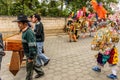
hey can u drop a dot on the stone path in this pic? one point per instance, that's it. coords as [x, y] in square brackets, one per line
[69, 61]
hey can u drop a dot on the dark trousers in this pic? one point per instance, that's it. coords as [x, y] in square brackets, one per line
[30, 67]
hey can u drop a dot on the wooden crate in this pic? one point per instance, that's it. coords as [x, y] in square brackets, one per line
[13, 43]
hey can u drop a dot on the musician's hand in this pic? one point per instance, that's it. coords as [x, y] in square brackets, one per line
[30, 60]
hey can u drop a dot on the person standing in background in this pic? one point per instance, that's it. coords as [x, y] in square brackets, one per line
[39, 33]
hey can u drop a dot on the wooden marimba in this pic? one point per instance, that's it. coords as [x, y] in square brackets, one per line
[14, 44]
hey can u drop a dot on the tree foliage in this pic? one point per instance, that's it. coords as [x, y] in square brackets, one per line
[47, 7]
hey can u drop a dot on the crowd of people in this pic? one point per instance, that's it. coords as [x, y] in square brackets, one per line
[104, 41]
[80, 26]
[86, 26]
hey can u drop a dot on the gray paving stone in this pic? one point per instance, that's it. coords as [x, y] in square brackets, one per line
[69, 61]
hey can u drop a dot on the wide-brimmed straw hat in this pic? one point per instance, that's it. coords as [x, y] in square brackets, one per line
[21, 18]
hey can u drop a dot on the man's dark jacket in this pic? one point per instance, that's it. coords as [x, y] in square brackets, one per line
[39, 32]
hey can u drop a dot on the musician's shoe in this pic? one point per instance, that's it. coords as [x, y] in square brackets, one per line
[46, 62]
[96, 68]
[112, 76]
[39, 75]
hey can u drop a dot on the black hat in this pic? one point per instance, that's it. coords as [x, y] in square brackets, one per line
[21, 18]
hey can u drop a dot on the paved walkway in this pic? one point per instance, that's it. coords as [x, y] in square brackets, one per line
[69, 61]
